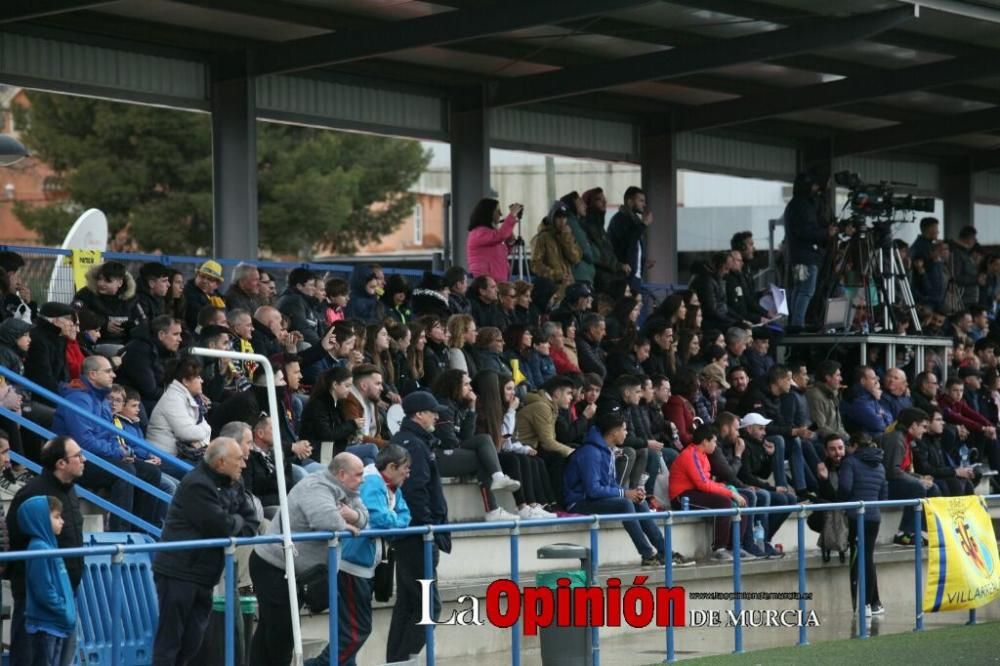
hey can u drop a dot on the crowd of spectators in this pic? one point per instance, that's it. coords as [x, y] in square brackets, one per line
[574, 392]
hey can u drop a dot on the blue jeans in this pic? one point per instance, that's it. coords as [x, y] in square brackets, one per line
[802, 293]
[653, 468]
[301, 469]
[790, 449]
[23, 644]
[644, 533]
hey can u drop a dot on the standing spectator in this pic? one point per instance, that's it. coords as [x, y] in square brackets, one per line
[689, 478]
[298, 303]
[204, 507]
[110, 292]
[964, 271]
[425, 498]
[484, 303]
[627, 233]
[606, 264]
[144, 359]
[90, 393]
[62, 462]
[554, 252]
[151, 292]
[807, 230]
[244, 288]
[488, 241]
[862, 478]
[904, 483]
[201, 291]
[591, 487]
[584, 270]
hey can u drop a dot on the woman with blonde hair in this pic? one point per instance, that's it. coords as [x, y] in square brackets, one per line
[461, 336]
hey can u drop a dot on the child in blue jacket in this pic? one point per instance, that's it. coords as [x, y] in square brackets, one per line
[50, 610]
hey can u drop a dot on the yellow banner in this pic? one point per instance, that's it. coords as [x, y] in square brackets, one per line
[963, 569]
[83, 261]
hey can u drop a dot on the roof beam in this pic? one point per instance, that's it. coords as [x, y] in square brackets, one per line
[836, 93]
[901, 136]
[986, 160]
[23, 10]
[433, 30]
[689, 60]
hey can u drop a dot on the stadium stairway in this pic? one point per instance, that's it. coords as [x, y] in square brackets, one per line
[479, 558]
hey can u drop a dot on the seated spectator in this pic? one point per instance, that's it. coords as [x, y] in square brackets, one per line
[377, 354]
[930, 459]
[756, 359]
[395, 300]
[823, 398]
[126, 407]
[407, 360]
[536, 426]
[144, 358]
[862, 478]
[462, 332]
[496, 406]
[663, 430]
[90, 393]
[925, 393]
[298, 303]
[540, 366]
[435, 350]
[45, 361]
[244, 288]
[177, 424]
[629, 360]
[573, 422]
[74, 355]
[689, 479]
[337, 297]
[431, 297]
[864, 412]
[741, 297]
[323, 418]
[662, 356]
[268, 333]
[795, 405]
[972, 426]
[361, 406]
[678, 409]
[260, 476]
[708, 283]
[488, 352]
[456, 283]
[895, 393]
[739, 382]
[241, 326]
[465, 452]
[591, 487]
[484, 303]
[578, 301]
[151, 292]
[210, 315]
[592, 356]
[904, 483]
[110, 292]
[524, 313]
[737, 340]
[562, 346]
[16, 300]
[201, 291]
[508, 304]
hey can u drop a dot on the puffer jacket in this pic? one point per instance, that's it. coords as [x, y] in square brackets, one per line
[536, 424]
[866, 414]
[554, 253]
[712, 296]
[301, 313]
[861, 478]
[177, 420]
[486, 250]
[117, 307]
[363, 306]
[584, 269]
[606, 264]
[929, 458]
[92, 438]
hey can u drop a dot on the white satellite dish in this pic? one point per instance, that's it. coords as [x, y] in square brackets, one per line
[89, 232]
[394, 418]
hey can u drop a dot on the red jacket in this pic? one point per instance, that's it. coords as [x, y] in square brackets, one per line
[961, 413]
[564, 366]
[691, 472]
[679, 411]
[486, 250]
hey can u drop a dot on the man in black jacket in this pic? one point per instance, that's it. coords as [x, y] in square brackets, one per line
[425, 498]
[152, 286]
[298, 303]
[806, 231]
[740, 293]
[588, 345]
[144, 359]
[62, 462]
[708, 284]
[45, 363]
[627, 233]
[204, 507]
[484, 303]
[201, 291]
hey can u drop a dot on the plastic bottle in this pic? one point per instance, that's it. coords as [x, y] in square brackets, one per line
[963, 452]
[758, 535]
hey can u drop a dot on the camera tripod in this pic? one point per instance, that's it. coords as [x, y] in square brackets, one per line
[519, 268]
[883, 279]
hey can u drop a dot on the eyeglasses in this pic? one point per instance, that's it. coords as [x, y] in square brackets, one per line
[78, 454]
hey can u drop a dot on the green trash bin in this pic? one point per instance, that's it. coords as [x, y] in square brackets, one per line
[213, 647]
[565, 646]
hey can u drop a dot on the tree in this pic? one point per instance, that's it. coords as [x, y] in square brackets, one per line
[150, 170]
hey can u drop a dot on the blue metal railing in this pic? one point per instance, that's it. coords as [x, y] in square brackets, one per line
[514, 527]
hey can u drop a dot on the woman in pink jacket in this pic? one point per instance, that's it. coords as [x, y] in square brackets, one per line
[487, 245]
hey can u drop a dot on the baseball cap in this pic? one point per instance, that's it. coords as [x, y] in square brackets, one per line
[752, 419]
[421, 401]
[212, 269]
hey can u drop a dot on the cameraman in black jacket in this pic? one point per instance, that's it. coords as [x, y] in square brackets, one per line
[806, 232]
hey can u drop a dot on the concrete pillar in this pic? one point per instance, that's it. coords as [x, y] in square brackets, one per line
[957, 181]
[234, 167]
[470, 174]
[659, 180]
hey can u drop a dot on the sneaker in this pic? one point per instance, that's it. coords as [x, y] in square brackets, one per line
[505, 483]
[806, 496]
[877, 609]
[722, 555]
[651, 560]
[746, 555]
[772, 552]
[681, 561]
[868, 610]
[526, 512]
[903, 539]
[756, 551]
[499, 514]
[542, 513]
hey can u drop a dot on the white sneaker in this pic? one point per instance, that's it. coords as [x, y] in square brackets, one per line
[868, 610]
[722, 555]
[526, 512]
[498, 514]
[505, 483]
[542, 513]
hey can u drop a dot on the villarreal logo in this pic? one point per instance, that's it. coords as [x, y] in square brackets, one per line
[973, 547]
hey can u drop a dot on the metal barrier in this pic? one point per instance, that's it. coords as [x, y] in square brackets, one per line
[427, 532]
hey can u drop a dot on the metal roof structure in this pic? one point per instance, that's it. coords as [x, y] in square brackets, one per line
[895, 89]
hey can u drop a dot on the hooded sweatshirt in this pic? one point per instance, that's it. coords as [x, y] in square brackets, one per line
[51, 606]
[11, 357]
[590, 472]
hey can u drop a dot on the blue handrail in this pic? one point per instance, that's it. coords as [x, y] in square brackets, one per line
[93, 459]
[514, 527]
[138, 442]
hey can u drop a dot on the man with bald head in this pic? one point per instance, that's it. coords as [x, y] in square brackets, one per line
[204, 507]
[325, 501]
[896, 394]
